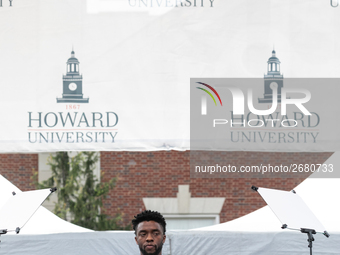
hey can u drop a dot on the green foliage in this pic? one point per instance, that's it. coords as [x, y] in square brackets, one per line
[80, 194]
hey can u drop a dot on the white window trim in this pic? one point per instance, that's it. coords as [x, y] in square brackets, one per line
[193, 216]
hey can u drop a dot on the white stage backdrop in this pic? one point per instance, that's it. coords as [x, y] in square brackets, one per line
[115, 74]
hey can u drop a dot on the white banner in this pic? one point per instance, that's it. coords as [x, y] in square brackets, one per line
[115, 74]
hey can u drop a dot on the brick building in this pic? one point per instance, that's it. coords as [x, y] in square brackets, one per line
[162, 180]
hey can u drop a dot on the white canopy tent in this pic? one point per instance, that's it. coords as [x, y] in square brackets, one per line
[178, 243]
[43, 221]
[260, 231]
[256, 233]
[320, 194]
[47, 232]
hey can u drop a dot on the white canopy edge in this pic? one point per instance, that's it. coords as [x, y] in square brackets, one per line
[43, 221]
[320, 194]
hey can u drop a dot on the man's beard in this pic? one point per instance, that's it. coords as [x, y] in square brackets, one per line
[157, 251]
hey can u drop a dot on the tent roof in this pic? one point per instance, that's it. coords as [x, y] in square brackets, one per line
[43, 221]
[320, 194]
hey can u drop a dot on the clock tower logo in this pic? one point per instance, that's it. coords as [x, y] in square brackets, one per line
[72, 83]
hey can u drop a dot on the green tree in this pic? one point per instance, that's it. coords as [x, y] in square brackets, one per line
[80, 194]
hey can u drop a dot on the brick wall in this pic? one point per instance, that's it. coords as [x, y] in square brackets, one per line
[18, 168]
[158, 174]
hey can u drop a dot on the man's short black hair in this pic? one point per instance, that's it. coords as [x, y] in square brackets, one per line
[148, 215]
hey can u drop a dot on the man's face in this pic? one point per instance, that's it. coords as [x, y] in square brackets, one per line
[150, 238]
